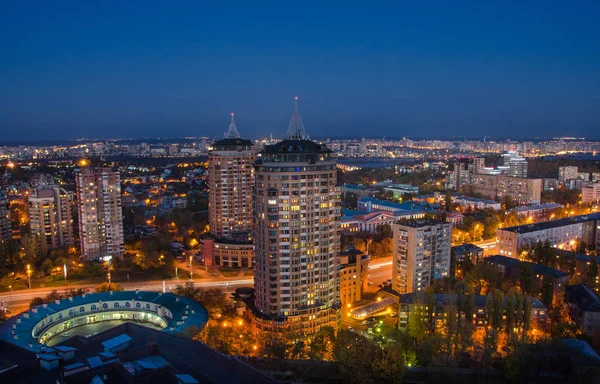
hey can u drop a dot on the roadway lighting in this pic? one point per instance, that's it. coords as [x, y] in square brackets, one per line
[29, 276]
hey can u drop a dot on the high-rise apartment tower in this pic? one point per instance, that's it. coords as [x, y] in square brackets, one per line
[50, 216]
[100, 213]
[296, 206]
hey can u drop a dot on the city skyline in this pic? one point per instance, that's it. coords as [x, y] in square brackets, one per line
[73, 70]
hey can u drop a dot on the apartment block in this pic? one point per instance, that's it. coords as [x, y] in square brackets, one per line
[5, 221]
[231, 177]
[520, 190]
[100, 213]
[421, 254]
[566, 173]
[50, 216]
[296, 208]
[561, 233]
[354, 275]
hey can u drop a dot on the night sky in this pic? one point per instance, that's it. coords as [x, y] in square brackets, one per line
[417, 69]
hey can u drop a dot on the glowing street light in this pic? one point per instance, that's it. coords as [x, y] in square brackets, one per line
[29, 276]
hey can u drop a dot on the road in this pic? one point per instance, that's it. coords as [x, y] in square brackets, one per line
[380, 270]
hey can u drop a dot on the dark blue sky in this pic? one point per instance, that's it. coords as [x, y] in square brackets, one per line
[419, 68]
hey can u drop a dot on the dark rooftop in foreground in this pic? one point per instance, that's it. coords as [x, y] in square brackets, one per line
[152, 356]
[583, 297]
[512, 263]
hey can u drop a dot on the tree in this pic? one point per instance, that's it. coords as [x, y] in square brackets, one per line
[388, 365]
[592, 273]
[448, 202]
[526, 277]
[350, 352]
[35, 302]
[547, 291]
[109, 287]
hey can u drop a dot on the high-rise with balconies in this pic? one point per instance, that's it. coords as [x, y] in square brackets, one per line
[231, 177]
[230, 182]
[100, 213]
[50, 216]
[421, 254]
[296, 208]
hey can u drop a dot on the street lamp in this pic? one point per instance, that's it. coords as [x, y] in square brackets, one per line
[11, 300]
[107, 259]
[191, 273]
[29, 276]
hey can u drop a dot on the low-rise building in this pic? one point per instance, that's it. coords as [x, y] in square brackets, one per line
[358, 191]
[537, 211]
[461, 252]
[583, 305]
[354, 271]
[510, 267]
[561, 233]
[227, 253]
[356, 221]
[474, 203]
[454, 218]
[398, 190]
[371, 204]
[417, 304]
[590, 194]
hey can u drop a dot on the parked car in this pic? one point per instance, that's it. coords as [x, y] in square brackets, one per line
[351, 329]
[370, 321]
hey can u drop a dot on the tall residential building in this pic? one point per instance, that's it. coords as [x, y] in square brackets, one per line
[100, 213]
[296, 208]
[5, 222]
[50, 216]
[231, 177]
[566, 173]
[421, 254]
[515, 165]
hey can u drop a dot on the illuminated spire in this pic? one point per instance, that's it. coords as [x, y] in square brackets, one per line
[232, 132]
[296, 130]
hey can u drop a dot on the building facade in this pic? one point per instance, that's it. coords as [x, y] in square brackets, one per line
[296, 209]
[566, 173]
[421, 254]
[5, 221]
[50, 216]
[583, 305]
[100, 213]
[354, 275]
[561, 233]
[416, 304]
[520, 190]
[230, 181]
[590, 194]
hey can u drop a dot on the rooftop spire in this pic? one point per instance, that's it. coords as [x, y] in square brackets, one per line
[296, 129]
[232, 132]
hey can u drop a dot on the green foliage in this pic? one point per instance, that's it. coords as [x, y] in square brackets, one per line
[35, 302]
[108, 287]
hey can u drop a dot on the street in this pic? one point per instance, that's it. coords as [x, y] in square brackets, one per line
[380, 270]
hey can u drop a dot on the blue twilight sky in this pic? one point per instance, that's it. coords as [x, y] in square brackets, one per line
[71, 69]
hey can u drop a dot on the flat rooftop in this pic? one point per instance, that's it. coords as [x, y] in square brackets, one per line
[526, 228]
